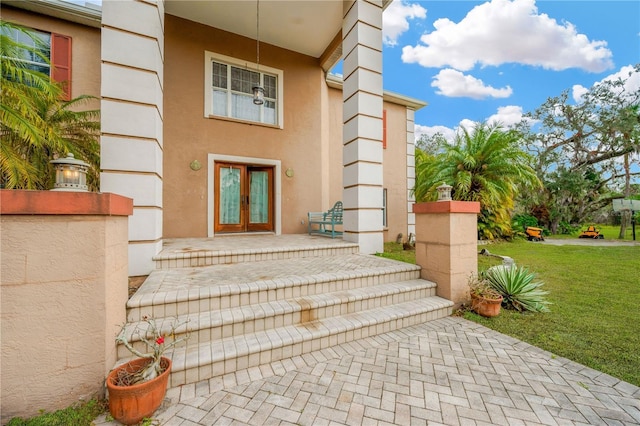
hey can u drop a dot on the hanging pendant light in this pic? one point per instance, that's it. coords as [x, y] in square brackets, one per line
[258, 91]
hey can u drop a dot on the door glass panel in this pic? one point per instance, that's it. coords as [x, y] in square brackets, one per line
[229, 195]
[259, 196]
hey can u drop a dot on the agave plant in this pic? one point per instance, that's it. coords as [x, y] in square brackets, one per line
[518, 288]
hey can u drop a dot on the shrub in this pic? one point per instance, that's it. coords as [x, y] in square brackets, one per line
[566, 228]
[520, 221]
[517, 286]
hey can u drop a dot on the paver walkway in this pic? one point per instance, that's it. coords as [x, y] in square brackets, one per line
[449, 371]
[589, 242]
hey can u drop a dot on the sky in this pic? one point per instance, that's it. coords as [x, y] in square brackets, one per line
[496, 60]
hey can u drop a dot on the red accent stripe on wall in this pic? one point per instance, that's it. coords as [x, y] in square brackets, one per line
[384, 129]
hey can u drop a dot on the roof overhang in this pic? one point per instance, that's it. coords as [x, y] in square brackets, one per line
[394, 98]
[309, 27]
[89, 14]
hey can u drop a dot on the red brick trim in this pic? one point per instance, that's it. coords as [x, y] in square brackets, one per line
[447, 207]
[15, 201]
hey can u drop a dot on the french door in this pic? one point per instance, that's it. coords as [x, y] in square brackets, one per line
[243, 198]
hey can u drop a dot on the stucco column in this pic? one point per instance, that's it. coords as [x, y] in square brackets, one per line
[362, 130]
[132, 119]
[446, 245]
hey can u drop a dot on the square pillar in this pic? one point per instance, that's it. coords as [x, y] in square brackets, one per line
[362, 129]
[447, 245]
[132, 90]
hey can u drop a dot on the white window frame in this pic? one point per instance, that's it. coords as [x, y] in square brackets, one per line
[209, 57]
[44, 36]
[385, 221]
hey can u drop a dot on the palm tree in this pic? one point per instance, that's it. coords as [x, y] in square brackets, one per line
[36, 126]
[484, 164]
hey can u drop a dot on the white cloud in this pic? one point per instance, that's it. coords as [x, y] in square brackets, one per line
[507, 116]
[578, 92]
[626, 73]
[454, 84]
[430, 131]
[395, 20]
[508, 31]
[467, 124]
[632, 83]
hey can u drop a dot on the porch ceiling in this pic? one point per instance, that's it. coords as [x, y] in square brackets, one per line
[303, 26]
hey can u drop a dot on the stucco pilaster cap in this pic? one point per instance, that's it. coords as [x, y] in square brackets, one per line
[17, 201]
[447, 207]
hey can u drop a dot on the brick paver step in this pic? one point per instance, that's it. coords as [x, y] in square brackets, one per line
[203, 361]
[205, 326]
[253, 300]
[167, 293]
[186, 253]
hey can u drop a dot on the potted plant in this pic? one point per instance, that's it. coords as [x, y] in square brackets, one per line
[485, 300]
[518, 287]
[137, 388]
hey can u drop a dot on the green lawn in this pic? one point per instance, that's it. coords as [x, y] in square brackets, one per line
[595, 291]
[80, 414]
[610, 232]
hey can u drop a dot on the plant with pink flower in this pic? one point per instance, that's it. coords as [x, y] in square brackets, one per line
[154, 338]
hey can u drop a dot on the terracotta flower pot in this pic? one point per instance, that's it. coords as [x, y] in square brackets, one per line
[487, 307]
[130, 404]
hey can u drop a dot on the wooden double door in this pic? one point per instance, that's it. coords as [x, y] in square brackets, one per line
[244, 198]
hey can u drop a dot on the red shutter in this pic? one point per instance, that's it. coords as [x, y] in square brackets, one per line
[384, 129]
[61, 62]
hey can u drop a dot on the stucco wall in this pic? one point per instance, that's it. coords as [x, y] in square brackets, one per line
[189, 136]
[310, 142]
[63, 294]
[394, 162]
[85, 45]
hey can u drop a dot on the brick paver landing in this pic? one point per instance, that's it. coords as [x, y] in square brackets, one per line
[449, 371]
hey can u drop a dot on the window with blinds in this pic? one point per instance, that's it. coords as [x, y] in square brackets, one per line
[230, 91]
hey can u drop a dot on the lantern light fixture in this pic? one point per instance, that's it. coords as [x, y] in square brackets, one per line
[444, 192]
[258, 95]
[71, 174]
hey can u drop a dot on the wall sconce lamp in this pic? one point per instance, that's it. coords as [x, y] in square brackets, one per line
[71, 174]
[444, 192]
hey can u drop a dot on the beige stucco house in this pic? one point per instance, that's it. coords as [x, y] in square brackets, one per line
[187, 153]
[182, 137]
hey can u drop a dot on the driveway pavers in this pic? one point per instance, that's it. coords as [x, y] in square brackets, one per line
[449, 371]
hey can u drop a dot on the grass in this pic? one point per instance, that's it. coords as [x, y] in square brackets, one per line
[610, 232]
[82, 414]
[396, 252]
[595, 293]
